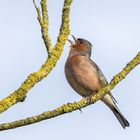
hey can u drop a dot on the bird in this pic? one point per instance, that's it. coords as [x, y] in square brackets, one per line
[86, 78]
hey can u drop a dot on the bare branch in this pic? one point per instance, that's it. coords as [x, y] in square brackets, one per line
[38, 13]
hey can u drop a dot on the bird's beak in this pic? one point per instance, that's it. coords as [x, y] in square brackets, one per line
[72, 42]
[75, 39]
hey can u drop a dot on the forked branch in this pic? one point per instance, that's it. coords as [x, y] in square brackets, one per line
[53, 55]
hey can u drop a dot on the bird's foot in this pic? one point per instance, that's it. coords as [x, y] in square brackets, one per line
[79, 109]
[89, 99]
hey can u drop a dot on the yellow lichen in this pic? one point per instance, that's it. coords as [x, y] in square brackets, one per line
[54, 54]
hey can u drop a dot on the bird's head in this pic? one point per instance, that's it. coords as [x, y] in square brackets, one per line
[80, 47]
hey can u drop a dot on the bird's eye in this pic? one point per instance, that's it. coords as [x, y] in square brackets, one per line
[80, 41]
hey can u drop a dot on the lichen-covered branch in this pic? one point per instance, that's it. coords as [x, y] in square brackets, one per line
[44, 23]
[67, 108]
[20, 94]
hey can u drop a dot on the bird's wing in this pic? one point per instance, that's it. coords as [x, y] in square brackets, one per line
[101, 75]
[102, 78]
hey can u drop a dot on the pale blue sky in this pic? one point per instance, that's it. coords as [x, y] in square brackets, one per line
[113, 27]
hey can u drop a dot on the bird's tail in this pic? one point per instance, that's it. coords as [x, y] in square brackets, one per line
[124, 123]
[109, 100]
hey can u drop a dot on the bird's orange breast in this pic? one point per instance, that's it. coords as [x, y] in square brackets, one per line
[81, 75]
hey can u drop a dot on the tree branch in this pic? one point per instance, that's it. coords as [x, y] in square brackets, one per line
[54, 55]
[44, 23]
[67, 108]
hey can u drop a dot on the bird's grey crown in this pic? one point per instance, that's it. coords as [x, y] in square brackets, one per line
[87, 44]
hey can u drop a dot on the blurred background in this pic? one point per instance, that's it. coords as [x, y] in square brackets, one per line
[113, 27]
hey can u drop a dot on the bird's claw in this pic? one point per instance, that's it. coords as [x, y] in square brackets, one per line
[89, 99]
[79, 109]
